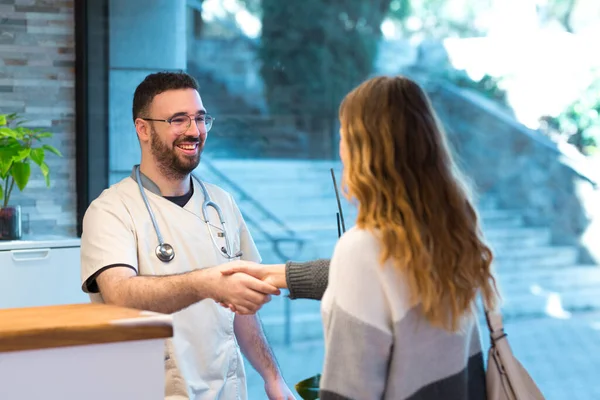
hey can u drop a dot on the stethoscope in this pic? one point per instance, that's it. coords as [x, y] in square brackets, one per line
[164, 251]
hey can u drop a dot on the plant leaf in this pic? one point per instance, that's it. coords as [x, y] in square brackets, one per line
[5, 167]
[21, 171]
[6, 160]
[11, 142]
[52, 149]
[46, 172]
[21, 154]
[8, 132]
[308, 389]
[1, 192]
[37, 155]
[2, 122]
[21, 132]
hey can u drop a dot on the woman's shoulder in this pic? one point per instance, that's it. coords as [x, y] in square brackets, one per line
[357, 248]
[356, 239]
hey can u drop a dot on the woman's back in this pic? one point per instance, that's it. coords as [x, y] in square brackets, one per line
[403, 284]
[378, 345]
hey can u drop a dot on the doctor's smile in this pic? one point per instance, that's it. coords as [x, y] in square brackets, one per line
[188, 148]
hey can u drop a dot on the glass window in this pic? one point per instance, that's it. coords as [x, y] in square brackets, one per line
[511, 83]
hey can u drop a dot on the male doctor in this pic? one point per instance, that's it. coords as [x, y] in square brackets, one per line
[120, 263]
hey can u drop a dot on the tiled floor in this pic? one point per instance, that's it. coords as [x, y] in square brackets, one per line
[563, 357]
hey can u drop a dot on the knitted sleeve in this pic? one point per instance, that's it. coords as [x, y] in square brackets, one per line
[307, 280]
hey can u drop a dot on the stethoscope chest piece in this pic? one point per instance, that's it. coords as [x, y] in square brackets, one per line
[164, 252]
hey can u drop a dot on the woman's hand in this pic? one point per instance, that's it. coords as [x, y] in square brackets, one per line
[273, 274]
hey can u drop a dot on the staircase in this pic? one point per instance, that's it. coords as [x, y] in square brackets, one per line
[536, 277]
[241, 130]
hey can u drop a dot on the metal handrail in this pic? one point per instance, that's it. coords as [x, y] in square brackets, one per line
[242, 195]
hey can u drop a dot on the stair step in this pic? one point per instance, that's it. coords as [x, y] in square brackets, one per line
[557, 304]
[327, 239]
[309, 227]
[509, 256]
[566, 279]
[504, 249]
[522, 236]
[307, 253]
[297, 214]
[299, 203]
[536, 257]
[290, 181]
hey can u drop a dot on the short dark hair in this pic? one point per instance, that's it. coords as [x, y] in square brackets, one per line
[158, 83]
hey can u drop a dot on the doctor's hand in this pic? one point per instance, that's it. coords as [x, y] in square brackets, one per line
[278, 390]
[242, 293]
[273, 274]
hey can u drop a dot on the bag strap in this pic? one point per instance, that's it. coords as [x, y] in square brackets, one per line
[495, 326]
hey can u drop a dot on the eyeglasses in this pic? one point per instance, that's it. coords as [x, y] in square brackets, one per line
[182, 123]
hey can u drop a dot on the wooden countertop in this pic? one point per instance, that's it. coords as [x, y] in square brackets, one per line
[77, 325]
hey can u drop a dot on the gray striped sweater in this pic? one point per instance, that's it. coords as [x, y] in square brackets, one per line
[378, 347]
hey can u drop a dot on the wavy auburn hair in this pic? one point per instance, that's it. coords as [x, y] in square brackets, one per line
[398, 167]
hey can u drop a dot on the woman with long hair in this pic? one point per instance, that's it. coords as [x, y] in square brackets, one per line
[399, 311]
[399, 293]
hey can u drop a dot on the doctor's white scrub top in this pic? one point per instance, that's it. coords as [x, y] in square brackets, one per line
[118, 231]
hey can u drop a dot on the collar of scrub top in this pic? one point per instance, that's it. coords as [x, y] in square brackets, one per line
[153, 187]
[147, 182]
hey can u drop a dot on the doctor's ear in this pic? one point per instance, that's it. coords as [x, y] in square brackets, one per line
[142, 129]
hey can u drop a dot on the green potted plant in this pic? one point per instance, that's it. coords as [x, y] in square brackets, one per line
[308, 388]
[19, 147]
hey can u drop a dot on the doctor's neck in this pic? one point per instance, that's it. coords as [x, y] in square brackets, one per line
[170, 184]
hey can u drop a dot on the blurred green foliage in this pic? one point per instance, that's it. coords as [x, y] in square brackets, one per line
[579, 123]
[312, 54]
[436, 19]
[488, 86]
[308, 389]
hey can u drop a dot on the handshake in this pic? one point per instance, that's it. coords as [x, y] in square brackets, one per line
[245, 286]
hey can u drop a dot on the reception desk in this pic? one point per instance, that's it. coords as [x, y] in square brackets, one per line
[82, 351]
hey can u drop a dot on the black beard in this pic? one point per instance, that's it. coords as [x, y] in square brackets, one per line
[172, 165]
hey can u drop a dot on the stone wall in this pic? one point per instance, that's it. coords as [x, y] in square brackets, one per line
[37, 79]
[521, 168]
[234, 62]
[228, 70]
